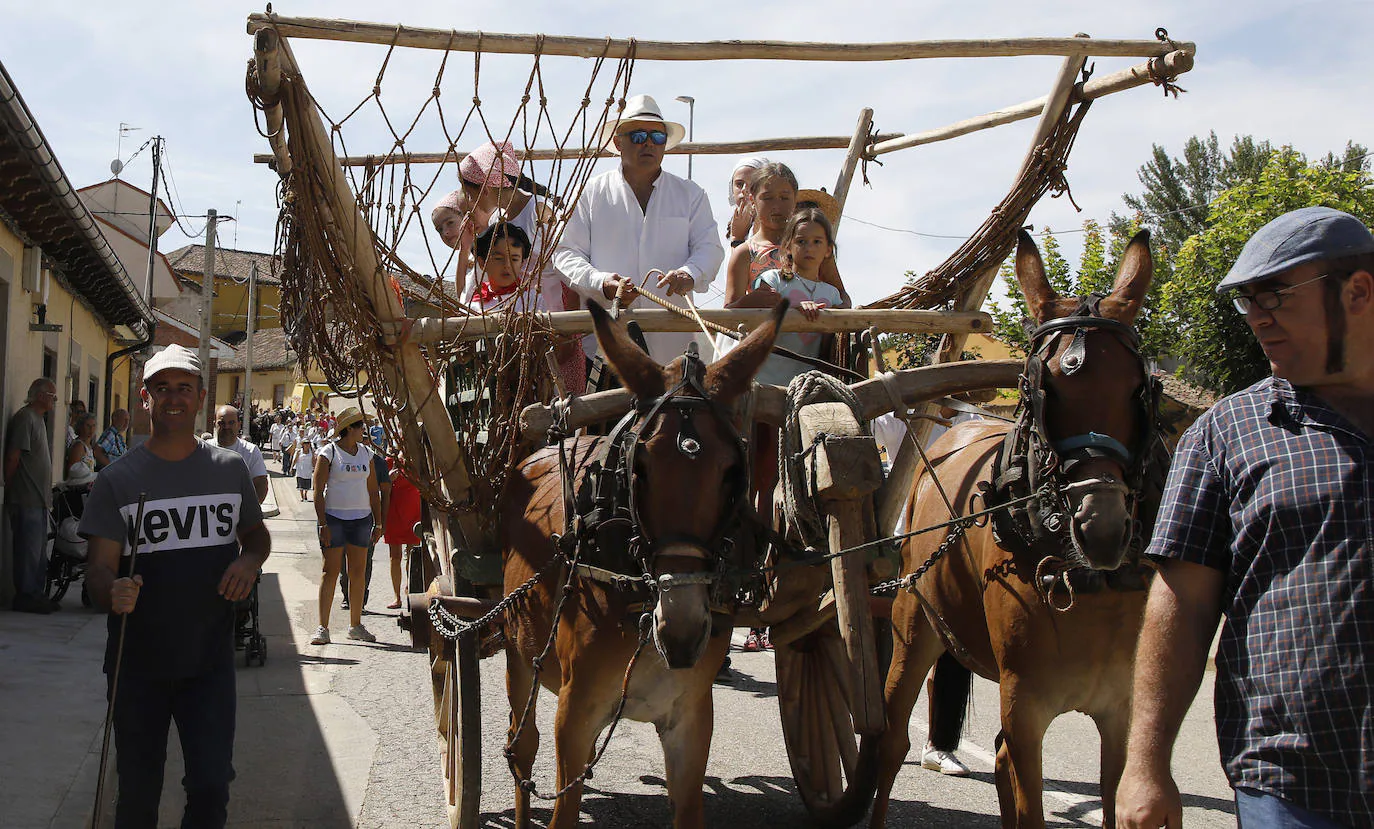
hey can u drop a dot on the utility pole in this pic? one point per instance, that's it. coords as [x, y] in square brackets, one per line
[207, 299]
[248, 343]
[152, 220]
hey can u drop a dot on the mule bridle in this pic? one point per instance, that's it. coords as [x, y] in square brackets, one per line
[614, 518]
[1031, 463]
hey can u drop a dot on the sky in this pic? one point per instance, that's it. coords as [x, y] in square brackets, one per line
[1291, 72]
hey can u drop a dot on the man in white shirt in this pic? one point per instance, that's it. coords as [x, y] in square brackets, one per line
[227, 435]
[639, 217]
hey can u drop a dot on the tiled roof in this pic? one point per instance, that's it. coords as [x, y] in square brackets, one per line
[270, 350]
[238, 264]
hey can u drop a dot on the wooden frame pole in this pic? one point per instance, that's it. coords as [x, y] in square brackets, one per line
[426, 330]
[1171, 65]
[410, 374]
[755, 145]
[851, 161]
[355, 31]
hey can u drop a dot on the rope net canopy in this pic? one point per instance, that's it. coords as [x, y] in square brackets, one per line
[350, 223]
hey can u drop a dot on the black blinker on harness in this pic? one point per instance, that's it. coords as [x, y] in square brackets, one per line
[609, 526]
[1029, 462]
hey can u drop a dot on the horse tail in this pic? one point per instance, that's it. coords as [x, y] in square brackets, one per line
[951, 691]
[858, 794]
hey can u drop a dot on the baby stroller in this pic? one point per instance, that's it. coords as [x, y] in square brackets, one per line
[67, 563]
[248, 636]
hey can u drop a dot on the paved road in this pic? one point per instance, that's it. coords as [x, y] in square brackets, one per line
[343, 734]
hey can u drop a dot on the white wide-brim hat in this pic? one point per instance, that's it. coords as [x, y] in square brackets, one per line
[641, 108]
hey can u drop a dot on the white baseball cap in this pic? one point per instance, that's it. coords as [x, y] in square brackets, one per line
[173, 356]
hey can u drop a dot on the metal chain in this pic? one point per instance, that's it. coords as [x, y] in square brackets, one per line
[955, 533]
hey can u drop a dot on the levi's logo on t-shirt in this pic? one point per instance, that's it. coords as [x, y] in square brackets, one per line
[185, 522]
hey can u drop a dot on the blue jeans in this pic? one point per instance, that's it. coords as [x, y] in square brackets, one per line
[29, 531]
[204, 709]
[1261, 810]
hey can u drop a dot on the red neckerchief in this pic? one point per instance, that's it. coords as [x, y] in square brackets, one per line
[486, 292]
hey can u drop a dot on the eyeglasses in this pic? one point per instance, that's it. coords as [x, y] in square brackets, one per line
[1269, 300]
[659, 137]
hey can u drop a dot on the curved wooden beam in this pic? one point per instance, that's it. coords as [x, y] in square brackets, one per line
[913, 385]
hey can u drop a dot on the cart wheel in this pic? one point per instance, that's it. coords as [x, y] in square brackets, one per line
[458, 715]
[835, 779]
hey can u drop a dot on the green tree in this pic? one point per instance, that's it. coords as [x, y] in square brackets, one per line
[1213, 343]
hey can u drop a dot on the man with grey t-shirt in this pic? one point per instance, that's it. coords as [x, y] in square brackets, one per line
[28, 494]
[199, 547]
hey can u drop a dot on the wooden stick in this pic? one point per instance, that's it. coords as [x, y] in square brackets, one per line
[851, 160]
[410, 373]
[753, 145]
[1174, 63]
[850, 574]
[269, 87]
[915, 385]
[353, 31]
[1055, 103]
[427, 330]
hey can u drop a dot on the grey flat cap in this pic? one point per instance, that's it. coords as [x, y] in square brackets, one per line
[1307, 235]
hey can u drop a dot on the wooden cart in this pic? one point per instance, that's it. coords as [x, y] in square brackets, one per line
[826, 627]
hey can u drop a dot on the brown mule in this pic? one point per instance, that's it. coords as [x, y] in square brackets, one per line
[688, 477]
[987, 602]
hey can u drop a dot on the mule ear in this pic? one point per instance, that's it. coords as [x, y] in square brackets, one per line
[1030, 273]
[637, 370]
[729, 377]
[1132, 280]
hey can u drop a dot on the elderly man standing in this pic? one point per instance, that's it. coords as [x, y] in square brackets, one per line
[112, 439]
[1267, 519]
[28, 494]
[227, 428]
[637, 218]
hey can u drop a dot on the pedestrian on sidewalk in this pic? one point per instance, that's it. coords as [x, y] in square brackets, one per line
[402, 515]
[349, 518]
[305, 466]
[384, 486]
[28, 494]
[227, 427]
[1266, 519]
[200, 546]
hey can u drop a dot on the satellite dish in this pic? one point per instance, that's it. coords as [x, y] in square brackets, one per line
[116, 166]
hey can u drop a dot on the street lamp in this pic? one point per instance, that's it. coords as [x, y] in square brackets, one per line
[691, 117]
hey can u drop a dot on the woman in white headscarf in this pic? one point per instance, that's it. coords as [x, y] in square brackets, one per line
[742, 219]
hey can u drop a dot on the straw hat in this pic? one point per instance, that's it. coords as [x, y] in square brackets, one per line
[641, 108]
[822, 200]
[347, 418]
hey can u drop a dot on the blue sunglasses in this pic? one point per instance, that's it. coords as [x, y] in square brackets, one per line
[659, 137]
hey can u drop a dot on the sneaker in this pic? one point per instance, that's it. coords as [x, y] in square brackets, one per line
[751, 642]
[363, 635]
[943, 761]
[343, 603]
[764, 642]
[321, 636]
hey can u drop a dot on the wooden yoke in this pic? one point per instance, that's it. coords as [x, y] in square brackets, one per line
[417, 398]
[842, 471]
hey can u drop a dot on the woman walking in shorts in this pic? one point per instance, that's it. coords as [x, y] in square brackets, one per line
[348, 507]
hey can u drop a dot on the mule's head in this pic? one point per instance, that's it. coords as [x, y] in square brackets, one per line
[688, 472]
[1092, 378]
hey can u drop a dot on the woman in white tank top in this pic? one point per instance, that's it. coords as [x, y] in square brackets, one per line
[349, 515]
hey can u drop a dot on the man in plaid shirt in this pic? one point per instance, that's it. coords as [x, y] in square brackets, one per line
[1266, 518]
